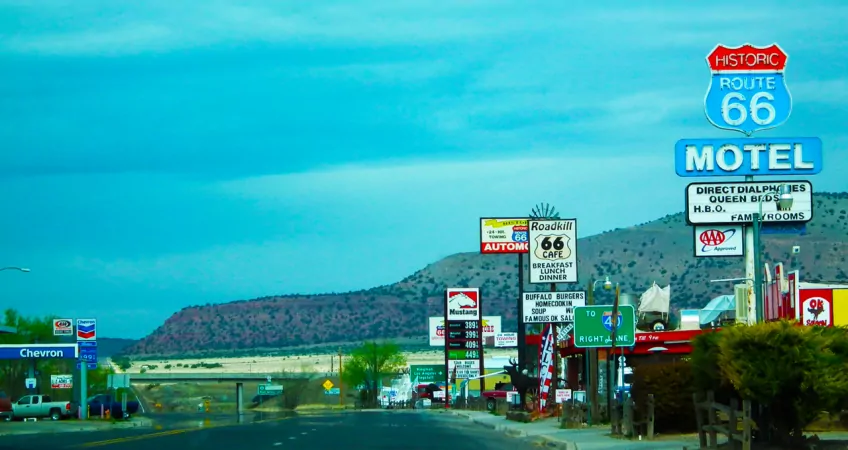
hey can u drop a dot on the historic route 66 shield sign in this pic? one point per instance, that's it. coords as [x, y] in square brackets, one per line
[747, 91]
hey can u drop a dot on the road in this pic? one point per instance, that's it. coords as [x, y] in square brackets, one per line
[365, 430]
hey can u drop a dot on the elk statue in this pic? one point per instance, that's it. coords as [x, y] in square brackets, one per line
[519, 378]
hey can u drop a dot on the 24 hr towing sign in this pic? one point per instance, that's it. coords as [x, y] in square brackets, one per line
[548, 307]
[553, 251]
[732, 203]
[503, 235]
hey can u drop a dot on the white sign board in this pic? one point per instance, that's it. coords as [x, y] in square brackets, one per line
[506, 340]
[465, 368]
[118, 380]
[508, 235]
[719, 240]
[61, 381]
[463, 364]
[30, 383]
[436, 329]
[563, 395]
[463, 303]
[553, 251]
[736, 203]
[551, 307]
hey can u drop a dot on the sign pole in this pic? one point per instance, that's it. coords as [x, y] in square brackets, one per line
[758, 273]
[83, 389]
[591, 363]
[750, 269]
[341, 393]
[611, 359]
[522, 327]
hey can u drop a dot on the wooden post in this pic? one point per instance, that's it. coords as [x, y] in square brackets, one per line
[650, 425]
[732, 424]
[627, 419]
[699, 419]
[746, 424]
[711, 419]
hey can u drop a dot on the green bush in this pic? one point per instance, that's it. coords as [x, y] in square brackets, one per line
[793, 372]
[672, 385]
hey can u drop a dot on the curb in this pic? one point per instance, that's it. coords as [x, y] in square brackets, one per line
[548, 441]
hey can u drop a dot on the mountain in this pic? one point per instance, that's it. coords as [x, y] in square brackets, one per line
[661, 251]
[108, 347]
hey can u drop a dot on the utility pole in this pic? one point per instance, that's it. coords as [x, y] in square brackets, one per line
[341, 389]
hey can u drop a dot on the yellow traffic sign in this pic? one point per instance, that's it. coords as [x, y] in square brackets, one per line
[328, 385]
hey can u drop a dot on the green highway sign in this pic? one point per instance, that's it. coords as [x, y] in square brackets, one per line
[593, 324]
[270, 389]
[427, 373]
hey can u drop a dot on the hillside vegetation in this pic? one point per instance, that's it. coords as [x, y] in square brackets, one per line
[661, 251]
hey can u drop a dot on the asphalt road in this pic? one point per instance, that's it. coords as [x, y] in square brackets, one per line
[365, 430]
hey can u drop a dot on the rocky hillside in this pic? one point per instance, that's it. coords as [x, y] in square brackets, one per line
[661, 251]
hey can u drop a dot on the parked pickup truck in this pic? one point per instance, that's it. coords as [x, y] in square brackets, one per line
[40, 406]
[499, 393]
[105, 402]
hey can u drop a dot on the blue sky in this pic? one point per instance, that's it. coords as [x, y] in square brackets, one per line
[160, 154]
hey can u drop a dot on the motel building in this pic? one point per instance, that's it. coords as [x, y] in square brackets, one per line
[785, 296]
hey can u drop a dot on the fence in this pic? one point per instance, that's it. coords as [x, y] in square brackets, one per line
[710, 424]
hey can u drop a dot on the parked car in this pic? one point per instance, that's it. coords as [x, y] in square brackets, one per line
[40, 406]
[5, 407]
[105, 402]
[499, 393]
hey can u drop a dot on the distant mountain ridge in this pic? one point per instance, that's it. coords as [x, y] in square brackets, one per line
[661, 251]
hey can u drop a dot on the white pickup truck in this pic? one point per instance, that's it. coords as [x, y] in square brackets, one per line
[40, 406]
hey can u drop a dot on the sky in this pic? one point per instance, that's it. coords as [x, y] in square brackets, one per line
[161, 154]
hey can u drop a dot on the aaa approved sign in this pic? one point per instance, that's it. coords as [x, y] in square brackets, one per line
[553, 251]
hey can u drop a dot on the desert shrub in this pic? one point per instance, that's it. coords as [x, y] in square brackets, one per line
[672, 385]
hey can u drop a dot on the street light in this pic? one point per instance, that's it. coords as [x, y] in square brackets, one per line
[19, 269]
[783, 202]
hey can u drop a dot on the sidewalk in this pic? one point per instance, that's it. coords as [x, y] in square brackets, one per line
[595, 438]
[70, 426]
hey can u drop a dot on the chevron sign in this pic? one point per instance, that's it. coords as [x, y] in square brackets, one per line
[86, 330]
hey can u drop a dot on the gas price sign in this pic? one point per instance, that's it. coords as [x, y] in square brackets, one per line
[465, 344]
[464, 334]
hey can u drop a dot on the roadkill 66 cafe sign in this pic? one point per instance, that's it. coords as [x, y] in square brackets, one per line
[553, 251]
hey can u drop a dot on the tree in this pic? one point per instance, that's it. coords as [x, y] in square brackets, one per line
[30, 330]
[367, 365]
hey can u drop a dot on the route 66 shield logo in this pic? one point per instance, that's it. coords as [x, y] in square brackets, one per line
[552, 247]
[747, 90]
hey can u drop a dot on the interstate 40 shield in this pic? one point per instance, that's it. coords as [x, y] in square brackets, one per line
[747, 91]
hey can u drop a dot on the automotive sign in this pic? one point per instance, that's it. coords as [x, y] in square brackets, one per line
[507, 235]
